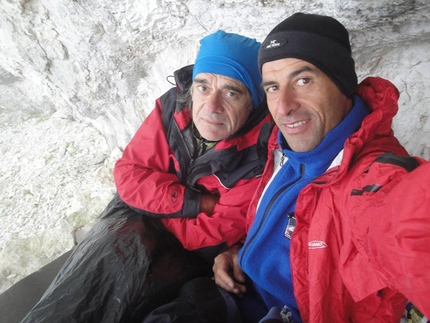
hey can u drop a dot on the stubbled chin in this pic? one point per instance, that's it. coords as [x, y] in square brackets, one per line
[212, 136]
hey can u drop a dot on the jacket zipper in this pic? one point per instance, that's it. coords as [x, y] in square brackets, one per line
[269, 206]
[201, 150]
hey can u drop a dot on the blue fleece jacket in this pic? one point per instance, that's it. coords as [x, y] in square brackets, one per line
[265, 256]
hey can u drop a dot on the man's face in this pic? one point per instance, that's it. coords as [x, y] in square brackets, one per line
[303, 101]
[221, 105]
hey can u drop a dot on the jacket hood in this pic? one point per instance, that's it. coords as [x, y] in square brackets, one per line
[380, 97]
[183, 78]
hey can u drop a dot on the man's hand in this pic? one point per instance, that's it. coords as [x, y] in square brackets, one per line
[228, 274]
[208, 202]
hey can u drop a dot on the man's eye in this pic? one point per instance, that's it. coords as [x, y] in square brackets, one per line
[271, 89]
[231, 94]
[303, 81]
[202, 88]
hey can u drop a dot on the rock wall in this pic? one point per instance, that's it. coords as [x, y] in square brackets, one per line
[78, 77]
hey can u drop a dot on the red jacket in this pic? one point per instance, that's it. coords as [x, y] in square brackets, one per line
[357, 231]
[158, 174]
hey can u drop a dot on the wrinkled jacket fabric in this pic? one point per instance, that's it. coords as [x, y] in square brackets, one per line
[356, 236]
[158, 174]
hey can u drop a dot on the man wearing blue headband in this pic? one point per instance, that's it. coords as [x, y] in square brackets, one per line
[191, 168]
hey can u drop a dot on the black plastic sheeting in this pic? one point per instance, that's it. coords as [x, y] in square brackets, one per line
[127, 265]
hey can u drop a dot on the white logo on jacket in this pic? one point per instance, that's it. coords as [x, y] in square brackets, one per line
[315, 244]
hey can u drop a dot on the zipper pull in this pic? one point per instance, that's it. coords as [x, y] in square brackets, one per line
[281, 163]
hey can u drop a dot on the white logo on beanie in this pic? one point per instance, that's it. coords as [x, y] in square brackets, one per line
[275, 43]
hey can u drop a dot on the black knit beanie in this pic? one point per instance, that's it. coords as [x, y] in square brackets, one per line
[320, 40]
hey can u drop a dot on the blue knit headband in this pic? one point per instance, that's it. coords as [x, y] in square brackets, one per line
[234, 56]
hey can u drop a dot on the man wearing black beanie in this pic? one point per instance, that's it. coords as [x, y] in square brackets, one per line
[338, 228]
[320, 40]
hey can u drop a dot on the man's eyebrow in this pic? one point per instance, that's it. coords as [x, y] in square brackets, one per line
[302, 69]
[201, 81]
[305, 68]
[232, 87]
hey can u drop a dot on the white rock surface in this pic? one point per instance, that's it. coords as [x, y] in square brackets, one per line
[78, 77]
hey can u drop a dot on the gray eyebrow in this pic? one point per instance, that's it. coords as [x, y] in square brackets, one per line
[225, 87]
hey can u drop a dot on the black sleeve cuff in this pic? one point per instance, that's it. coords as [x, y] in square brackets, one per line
[191, 203]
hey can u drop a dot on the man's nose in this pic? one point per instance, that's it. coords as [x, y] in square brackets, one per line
[287, 102]
[214, 102]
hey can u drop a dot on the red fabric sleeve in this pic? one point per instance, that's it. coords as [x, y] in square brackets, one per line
[390, 236]
[142, 175]
[226, 224]
[399, 236]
